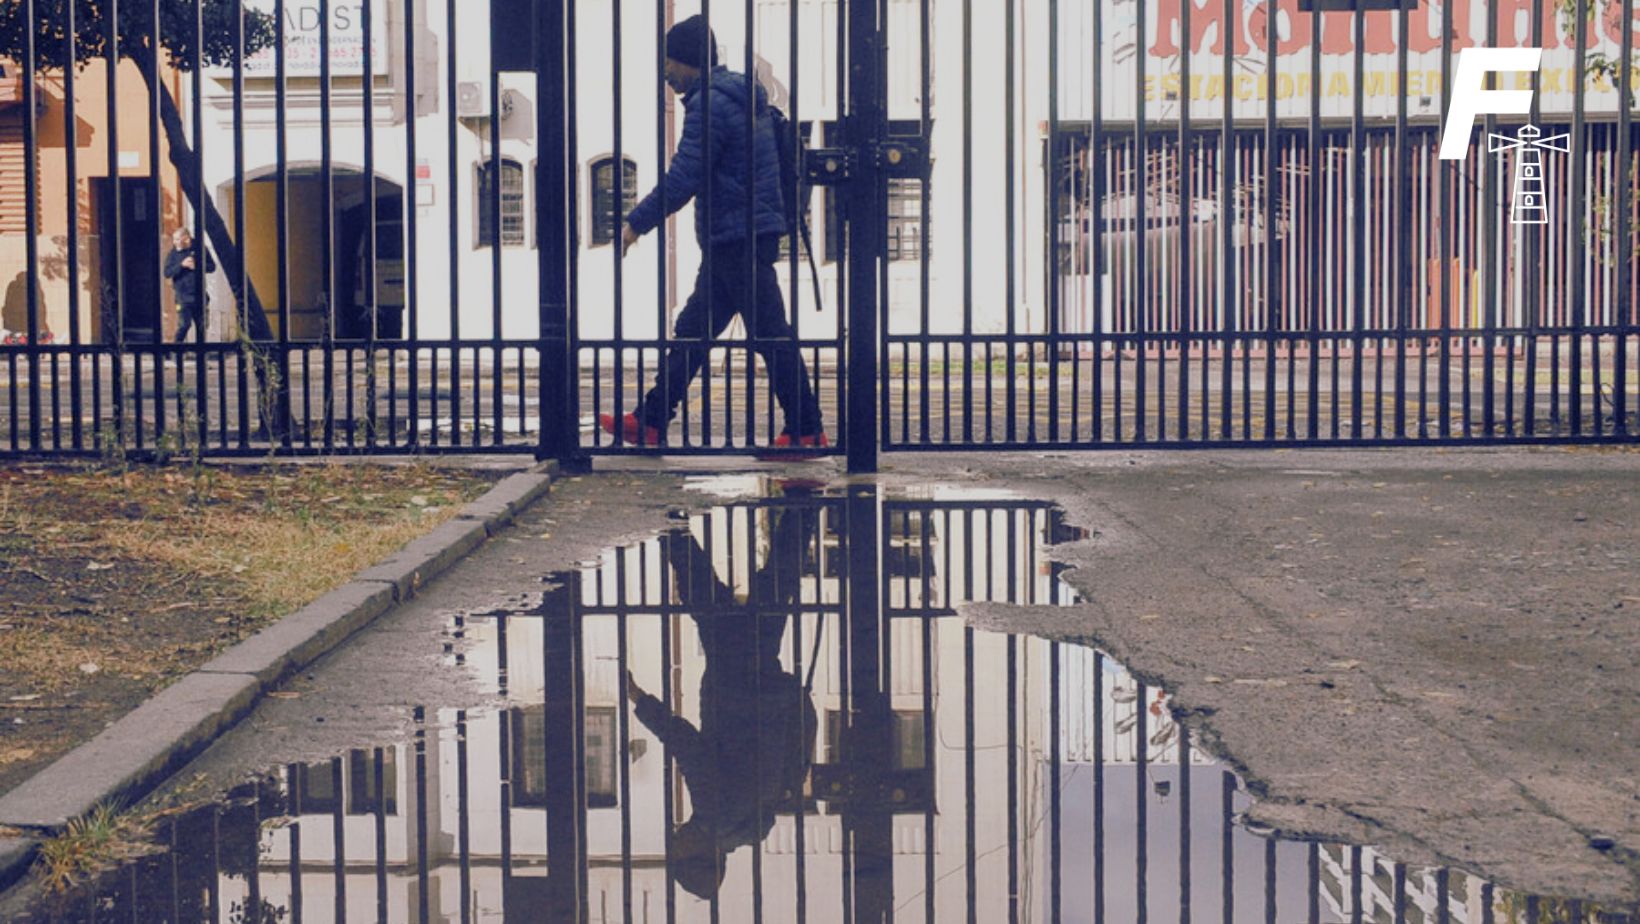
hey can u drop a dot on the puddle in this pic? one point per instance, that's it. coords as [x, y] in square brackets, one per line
[810, 733]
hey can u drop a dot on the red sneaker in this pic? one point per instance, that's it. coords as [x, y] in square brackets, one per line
[787, 448]
[632, 430]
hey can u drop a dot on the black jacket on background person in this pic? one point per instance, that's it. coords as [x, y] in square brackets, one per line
[187, 283]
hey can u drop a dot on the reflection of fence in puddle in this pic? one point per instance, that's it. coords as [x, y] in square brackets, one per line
[946, 773]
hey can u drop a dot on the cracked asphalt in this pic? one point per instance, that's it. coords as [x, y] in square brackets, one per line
[1431, 652]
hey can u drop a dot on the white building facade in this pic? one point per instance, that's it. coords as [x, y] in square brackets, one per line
[463, 288]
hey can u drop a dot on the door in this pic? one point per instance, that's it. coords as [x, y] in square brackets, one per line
[140, 295]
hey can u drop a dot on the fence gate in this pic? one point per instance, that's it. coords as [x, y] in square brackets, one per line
[1028, 224]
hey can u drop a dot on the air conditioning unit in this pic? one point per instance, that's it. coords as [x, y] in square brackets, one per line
[472, 100]
[510, 100]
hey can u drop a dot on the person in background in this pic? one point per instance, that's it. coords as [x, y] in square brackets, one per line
[187, 282]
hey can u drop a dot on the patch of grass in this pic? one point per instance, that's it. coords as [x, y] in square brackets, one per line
[115, 581]
[308, 532]
[89, 846]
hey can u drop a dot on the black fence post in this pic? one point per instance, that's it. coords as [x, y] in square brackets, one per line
[867, 231]
[557, 418]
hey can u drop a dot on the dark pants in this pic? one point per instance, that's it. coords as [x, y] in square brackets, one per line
[713, 304]
[191, 315]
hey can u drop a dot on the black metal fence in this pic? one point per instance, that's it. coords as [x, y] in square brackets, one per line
[1066, 223]
[877, 760]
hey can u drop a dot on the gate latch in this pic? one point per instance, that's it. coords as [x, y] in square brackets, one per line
[902, 156]
[895, 156]
[827, 166]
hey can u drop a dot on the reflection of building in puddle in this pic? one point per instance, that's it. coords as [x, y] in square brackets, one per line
[1385, 886]
[942, 772]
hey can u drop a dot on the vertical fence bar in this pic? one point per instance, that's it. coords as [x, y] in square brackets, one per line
[31, 223]
[1186, 289]
[327, 234]
[1055, 168]
[409, 197]
[1315, 285]
[1184, 817]
[1358, 222]
[338, 838]
[453, 267]
[570, 411]
[379, 810]
[1402, 243]
[1096, 212]
[1270, 875]
[281, 142]
[1448, 178]
[1141, 189]
[1227, 211]
[497, 172]
[1489, 207]
[155, 191]
[1578, 221]
[1011, 723]
[1624, 249]
[372, 303]
[968, 236]
[111, 302]
[1141, 803]
[1313, 892]
[247, 356]
[970, 784]
[201, 263]
[866, 226]
[1272, 212]
[71, 166]
[557, 423]
[1227, 853]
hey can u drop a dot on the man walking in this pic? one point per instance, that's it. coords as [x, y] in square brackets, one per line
[187, 283]
[739, 220]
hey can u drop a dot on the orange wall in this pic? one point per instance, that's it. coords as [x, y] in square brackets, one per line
[54, 204]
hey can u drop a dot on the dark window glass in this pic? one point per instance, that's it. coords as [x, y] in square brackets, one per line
[512, 205]
[603, 197]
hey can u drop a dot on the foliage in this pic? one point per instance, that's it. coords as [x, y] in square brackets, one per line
[89, 845]
[1599, 64]
[178, 30]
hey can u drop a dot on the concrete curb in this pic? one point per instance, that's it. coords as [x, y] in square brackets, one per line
[137, 752]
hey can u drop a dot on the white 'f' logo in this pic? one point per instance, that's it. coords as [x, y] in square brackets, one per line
[1470, 98]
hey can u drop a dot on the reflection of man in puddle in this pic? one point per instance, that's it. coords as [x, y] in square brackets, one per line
[757, 721]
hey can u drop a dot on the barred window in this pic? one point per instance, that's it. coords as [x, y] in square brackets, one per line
[905, 240]
[512, 205]
[905, 219]
[604, 230]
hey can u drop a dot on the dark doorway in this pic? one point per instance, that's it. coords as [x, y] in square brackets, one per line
[138, 291]
[352, 258]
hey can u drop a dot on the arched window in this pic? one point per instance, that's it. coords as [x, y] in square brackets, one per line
[512, 205]
[603, 197]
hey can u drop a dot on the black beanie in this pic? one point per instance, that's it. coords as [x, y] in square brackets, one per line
[691, 42]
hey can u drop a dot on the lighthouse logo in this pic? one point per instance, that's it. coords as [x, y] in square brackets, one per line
[1529, 205]
[1471, 99]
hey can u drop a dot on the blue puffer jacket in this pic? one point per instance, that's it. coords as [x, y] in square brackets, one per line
[685, 179]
